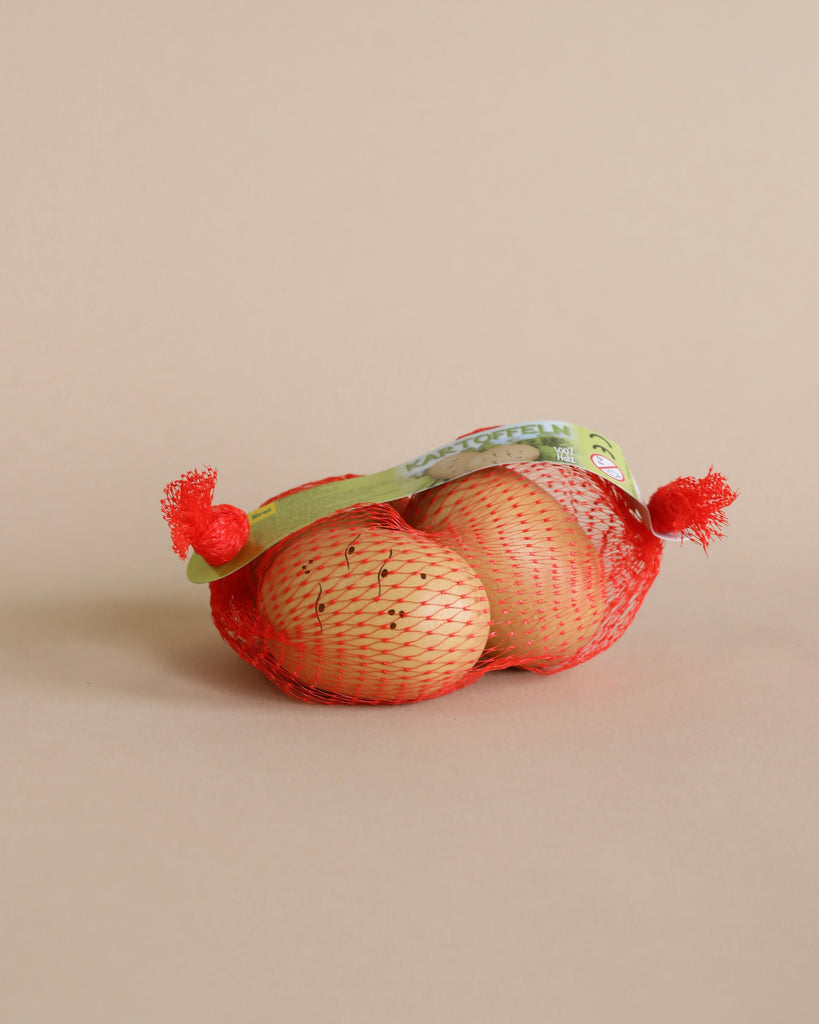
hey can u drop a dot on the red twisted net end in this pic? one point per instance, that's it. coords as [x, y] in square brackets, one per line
[216, 532]
[692, 508]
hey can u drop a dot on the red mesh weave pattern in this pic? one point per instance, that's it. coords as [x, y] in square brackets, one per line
[535, 565]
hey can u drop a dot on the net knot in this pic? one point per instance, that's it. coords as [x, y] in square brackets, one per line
[692, 508]
[216, 532]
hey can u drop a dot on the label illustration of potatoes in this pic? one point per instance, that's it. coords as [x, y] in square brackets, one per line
[461, 463]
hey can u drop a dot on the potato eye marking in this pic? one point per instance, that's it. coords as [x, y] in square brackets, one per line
[304, 566]
[350, 550]
[319, 607]
[382, 572]
[423, 575]
[391, 611]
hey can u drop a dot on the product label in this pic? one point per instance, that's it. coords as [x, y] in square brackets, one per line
[543, 441]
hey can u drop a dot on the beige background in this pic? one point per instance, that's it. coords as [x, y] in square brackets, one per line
[292, 239]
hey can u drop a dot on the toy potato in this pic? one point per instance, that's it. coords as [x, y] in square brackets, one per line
[525, 546]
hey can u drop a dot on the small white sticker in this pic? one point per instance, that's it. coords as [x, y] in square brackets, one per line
[605, 465]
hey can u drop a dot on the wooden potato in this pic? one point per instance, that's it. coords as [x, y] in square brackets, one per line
[374, 613]
[542, 574]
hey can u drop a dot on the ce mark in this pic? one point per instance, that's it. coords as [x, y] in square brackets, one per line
[604, 448]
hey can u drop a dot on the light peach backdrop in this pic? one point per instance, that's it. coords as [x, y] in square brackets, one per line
[293, 239]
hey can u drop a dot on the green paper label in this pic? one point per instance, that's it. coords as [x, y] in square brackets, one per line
[545, 441]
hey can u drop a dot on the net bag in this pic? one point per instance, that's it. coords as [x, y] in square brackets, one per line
[529, 565]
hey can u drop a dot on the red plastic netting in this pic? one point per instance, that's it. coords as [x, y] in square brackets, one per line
[535, 566]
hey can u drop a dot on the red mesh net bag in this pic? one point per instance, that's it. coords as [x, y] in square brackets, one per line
[531, 565]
